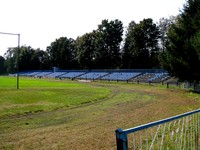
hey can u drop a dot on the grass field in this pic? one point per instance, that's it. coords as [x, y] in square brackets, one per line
[44, 95]
[64, 114]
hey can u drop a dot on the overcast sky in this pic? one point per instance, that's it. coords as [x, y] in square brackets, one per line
[40, 22]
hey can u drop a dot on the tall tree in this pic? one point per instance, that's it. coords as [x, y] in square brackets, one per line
[40, 60]
[2, 60]
[26, 58]
[109, 38]
[86, 49]
[164, 26]
[182, 54]
[196, 43]
[11, 60]
[142, 44]
[127, 52]
[62, 53]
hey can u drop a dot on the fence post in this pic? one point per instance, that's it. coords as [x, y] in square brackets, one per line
[167, 85]
[121, 139]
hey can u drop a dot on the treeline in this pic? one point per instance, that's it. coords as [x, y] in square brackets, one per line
[172, 44]
[104, 48]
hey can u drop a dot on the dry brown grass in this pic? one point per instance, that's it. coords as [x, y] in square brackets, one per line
[93, 126]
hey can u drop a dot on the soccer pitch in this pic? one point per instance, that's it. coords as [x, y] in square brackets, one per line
[64, 114]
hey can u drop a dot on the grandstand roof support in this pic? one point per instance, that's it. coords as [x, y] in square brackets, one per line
[17, 54]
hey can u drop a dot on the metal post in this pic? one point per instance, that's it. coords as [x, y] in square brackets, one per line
[17, 54]
[149, 82]
[18, 61]
[121, 139]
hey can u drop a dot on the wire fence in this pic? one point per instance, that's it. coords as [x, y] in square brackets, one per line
[175, 133]
[193, 87]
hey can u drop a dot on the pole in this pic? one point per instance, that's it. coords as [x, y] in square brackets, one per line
[17, 54]
[18, 61]
[121, 139]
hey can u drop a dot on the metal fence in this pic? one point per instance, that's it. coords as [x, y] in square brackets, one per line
[195, 87]
[179, 132]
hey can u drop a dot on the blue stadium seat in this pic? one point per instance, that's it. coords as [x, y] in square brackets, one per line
[93, 75]
[121, 76]
[55, 74]
[71, 75]
[43, 74]
[29, 74]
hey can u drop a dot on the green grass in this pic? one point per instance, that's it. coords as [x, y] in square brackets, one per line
[64, 114]
[36, 95]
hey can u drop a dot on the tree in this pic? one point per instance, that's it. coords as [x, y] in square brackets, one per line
[86, 49]
[164, 25]
[109, 38]
[182, 49]
[11, 60]
[41, 58]
[29, 59]
[127, 53]
[196, 43]
[62, 53]
[142, 44]
[2, 60]
[26, 61]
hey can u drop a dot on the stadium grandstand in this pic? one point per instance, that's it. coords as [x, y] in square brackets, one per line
[135, 75]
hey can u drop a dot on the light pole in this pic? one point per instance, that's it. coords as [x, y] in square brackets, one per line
[17, 54]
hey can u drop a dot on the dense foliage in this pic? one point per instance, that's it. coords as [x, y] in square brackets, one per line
[62, 53]
[2, 60]
[141, 45]
[181, 58]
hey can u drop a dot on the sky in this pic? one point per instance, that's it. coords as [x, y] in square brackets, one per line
[40, 22]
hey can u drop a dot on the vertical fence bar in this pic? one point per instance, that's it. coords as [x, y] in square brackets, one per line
[147, 145]
[197, 134]
[121, 139]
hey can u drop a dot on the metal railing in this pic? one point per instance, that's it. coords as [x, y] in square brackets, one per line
[177, 132]
[195, 87]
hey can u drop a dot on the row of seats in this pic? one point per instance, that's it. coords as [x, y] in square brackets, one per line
[42, 74]
[55, 74]
[72, 75]
[121, 76]
[158, 77]
[152, 77]
[111, 76]
[29, 74]
[93, 75]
